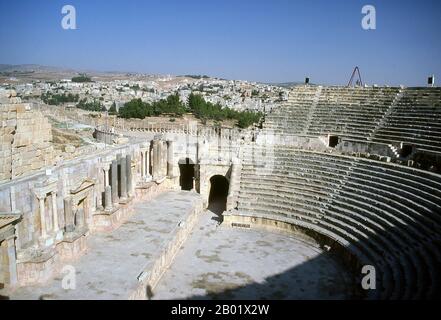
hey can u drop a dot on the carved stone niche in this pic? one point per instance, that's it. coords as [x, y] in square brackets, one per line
[78, 208]
[46, 194]
[8, 262]
[145, 163]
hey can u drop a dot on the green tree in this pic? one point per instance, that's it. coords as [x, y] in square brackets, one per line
[82, 78]
[196, 104]
[112, 109]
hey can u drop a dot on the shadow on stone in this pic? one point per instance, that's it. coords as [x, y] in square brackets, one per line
[302, 282]
[217, 200]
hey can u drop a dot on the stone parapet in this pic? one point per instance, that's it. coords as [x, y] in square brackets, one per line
[148, 279]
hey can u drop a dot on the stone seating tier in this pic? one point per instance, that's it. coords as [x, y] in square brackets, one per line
[388, 214]
[381, 115]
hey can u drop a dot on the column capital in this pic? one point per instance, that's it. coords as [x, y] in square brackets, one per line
[40, 195]
[106, 165]
[146, 145]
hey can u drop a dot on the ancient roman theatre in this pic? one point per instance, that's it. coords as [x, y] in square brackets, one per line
[331, 181]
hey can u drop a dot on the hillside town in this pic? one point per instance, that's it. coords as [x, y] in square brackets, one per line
[107, 91]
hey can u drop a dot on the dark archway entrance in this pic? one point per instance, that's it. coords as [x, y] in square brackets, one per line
[406, 150]
[333, 141]
[217, 200]
[186, 169]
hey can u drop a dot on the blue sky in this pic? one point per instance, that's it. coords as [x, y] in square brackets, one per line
[269, 41]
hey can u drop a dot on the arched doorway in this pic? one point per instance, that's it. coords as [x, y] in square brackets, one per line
[186, 170]
[217, 200]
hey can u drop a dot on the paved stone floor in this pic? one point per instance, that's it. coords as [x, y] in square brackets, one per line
[114, 260]
[218, 262]
[215, 261]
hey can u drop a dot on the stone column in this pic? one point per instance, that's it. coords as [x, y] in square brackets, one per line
[108, 199]
[118, 161]
[129, 174]
[147, 163]
[9, 263]
[143, 171]
[98, 197]
[155, 157]
[163, 159]
[68, 215]
[42, 217]
[55, 211]
[170, 161]
[106, 177]
[123, 178]
[114, 182]
[152, 159]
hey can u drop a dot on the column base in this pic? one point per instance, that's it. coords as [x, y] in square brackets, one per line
[126, 200]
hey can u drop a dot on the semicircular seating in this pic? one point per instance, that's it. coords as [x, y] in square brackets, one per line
[379, 115]
[316, 111]
[386, 215]
[416, 119]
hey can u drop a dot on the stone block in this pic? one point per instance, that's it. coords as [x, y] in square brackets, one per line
[69, 148]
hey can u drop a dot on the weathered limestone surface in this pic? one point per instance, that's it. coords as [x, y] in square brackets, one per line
[25, 137]
[234, 263]
[120, 264]
[58, 208]
[336, 198]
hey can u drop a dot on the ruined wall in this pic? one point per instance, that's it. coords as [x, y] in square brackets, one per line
[19, 194]
[350, 147]
[210, 155]
[40, 250]
[25, 138]
[61, 201]
[268, 137]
